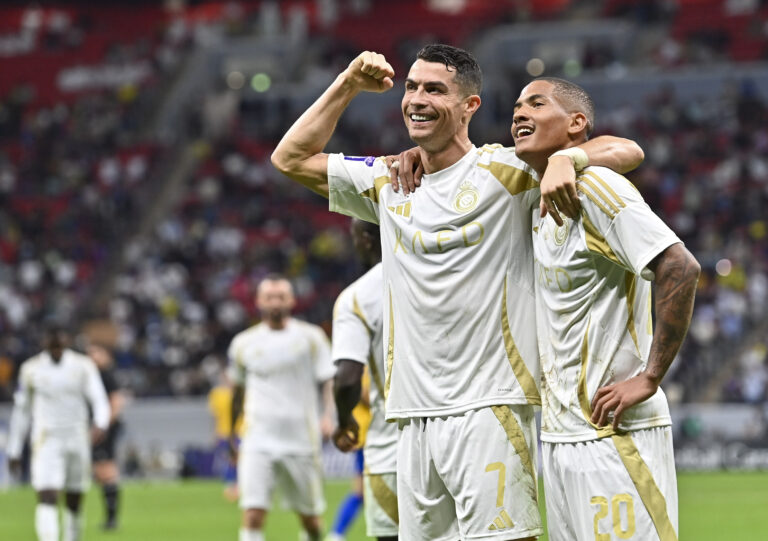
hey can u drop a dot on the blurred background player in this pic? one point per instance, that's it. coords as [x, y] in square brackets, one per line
[348, 509]
[605, 420]
[220, 406]
[105, 468]
[276, 367]
[55, 389]
[357, 343]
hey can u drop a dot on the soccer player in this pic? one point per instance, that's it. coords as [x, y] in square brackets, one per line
[220, 407]
[56, 386]
[276, 366]
[105, 468]
[608, 460]
[357, 342]
[460, 348]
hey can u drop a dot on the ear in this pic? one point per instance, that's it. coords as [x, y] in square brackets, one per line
[472, 104]
[578, 123]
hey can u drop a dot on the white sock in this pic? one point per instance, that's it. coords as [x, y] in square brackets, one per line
[73, 525]
[251, 535]
[47, 522]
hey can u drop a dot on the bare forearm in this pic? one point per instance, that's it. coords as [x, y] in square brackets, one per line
[347, 389]
[116, 405]
[299, 155]
[677, 274]
[621, 155]
[238, 395]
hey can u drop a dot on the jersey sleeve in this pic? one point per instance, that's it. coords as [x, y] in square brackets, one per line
[21, 414]
[236, 367]
[354, 184]
[351, 333]
[619, 224]
[321, 355]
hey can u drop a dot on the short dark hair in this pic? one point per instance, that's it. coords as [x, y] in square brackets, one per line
[574, 99]
[468, 75]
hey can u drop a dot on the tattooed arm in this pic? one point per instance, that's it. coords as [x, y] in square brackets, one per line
[677, 273]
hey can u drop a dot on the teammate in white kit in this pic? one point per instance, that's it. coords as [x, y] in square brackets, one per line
[608, 461]
[357, 342]
[277, 366]
[56, 387]
[459, 338]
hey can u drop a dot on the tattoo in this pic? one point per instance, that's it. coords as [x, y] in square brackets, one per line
[677, 274]
[347, 388]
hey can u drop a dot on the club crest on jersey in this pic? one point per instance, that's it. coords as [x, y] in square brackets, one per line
[561, 232]
[467, 197]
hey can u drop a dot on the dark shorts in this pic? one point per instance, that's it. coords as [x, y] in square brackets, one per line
[105, 450]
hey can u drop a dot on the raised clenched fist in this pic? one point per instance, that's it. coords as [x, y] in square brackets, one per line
[370, 72]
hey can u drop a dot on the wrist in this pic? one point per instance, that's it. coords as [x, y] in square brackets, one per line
[579, 158]
[651, 378]
[347, 85]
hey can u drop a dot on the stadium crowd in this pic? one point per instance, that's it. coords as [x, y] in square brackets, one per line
[73, 176]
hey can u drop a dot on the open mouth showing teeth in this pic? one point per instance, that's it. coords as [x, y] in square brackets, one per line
[420, 118]
[522, 132]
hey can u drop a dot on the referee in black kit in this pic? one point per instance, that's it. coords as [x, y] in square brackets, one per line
[105, 468]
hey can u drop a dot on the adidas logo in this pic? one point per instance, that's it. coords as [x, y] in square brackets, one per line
[402, 210]
[502, 521]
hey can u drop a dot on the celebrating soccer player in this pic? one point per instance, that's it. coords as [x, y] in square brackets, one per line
[608, 458]
[459, 337]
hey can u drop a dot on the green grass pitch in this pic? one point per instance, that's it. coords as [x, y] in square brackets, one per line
[713, 506]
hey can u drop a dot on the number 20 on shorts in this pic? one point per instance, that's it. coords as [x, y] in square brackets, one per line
[616, 512]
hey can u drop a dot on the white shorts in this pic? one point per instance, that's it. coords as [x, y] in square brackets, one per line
[61, 462]
[469, 476]
[298, 478]
[380, 500]
[622, 487]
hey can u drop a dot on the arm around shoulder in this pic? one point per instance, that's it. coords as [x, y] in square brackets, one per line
[617, 153]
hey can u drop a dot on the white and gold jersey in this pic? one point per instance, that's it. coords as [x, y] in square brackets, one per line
[357, 336]
[281, 371]
[594, 305]
[459, 331]
[55, 397]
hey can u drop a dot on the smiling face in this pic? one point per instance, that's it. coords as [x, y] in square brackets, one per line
[542, 126]
[435, 109]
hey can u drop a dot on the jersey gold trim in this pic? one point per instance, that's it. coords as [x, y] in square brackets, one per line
[359, 313]
[607, 188]
[373, 193]
[390, 347]
[523, 375]
[489, 149]
[513, 179]
[517, 439]
[581, 389]
[630, 292]
[596, 243]
[384, 496]
[641, 476]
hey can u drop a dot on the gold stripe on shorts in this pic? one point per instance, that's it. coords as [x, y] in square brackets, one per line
[517, 439]
[652, 497]
[384, 496]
